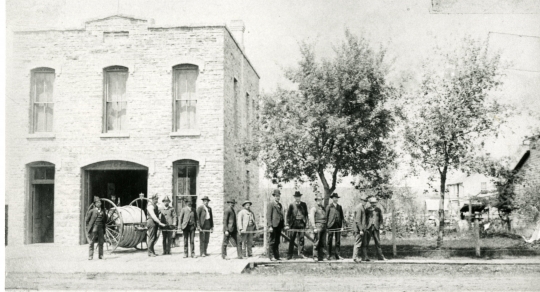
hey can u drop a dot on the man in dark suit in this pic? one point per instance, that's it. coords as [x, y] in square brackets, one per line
[297, 218]
[96, 222]
[205, 225]
[359, 227]
[230, 230]
[275, 219]
[374, 218]
[188, 224]
[334, 220]
[170, 219]
[153, 222]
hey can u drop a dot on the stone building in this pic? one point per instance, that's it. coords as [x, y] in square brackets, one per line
[528, 165]
[121, 107]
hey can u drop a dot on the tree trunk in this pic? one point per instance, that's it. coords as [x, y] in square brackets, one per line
[440, 234]
[327, 193]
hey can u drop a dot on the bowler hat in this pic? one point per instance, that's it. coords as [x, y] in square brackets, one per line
[318, 198]
[297, 194]
[276, 192]
[362, 197]
[205, 198]
[373, 200]
[166, 199]
[232, 201]
[187, 200]
[96, 199]
[247, 202]
[155, 196]
[334, 195]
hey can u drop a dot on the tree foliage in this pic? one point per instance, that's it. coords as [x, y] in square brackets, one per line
[334, 124]
[451, 112]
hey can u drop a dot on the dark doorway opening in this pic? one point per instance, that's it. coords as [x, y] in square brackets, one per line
[118, 181]
[41, 207]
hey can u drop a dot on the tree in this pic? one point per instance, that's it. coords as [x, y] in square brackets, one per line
[335, 122]
[452, 111]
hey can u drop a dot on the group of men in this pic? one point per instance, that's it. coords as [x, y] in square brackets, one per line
[327, 225]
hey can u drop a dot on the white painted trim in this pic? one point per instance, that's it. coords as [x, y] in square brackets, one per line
[41, 136]
[114, 135]
[186, 133]
[130, 157]
[101, 65]
[53, 64]
[43, 157]
[199, 158]
[185, 60]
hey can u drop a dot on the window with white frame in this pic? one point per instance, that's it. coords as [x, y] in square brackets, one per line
[42, 100]
[185, 97]
[115, 99]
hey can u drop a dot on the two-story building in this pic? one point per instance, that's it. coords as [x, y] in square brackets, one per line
[121, 107]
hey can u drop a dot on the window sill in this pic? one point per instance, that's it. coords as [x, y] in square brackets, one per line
[184, 133]
[41, 136]
[114, 135]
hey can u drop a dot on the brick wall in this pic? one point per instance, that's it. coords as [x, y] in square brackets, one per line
[79, 56]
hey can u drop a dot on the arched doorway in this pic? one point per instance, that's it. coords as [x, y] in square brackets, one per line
[117, 180]
[40, 228]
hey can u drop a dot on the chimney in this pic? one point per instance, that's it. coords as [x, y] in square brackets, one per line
[237, 29]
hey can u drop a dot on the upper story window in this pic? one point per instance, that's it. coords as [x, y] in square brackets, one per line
[42, 100]
[185, 97]
[115, 99]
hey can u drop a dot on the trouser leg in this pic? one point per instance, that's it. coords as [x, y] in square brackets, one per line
[151, 238]
[324, 232]
[192, 240]
[365, 243]
[93, 237]
[235, 240]
[277, 236]
[337, 248]
[377, 241]
[300, 242]
[101, 239]
[271, 239]
[186, 233]
[201, 243]
[357, 245]
[330, 235]
[224, 245]
[292, 238]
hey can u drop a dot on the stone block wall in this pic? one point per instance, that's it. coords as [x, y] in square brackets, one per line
[78, 57]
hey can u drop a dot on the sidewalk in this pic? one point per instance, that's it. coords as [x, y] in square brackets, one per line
[50, 258]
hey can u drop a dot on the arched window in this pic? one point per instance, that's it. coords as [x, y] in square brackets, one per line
[42, 102]
[185, 96]
[115, 99]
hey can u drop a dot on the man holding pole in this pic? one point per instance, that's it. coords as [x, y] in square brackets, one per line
[275, 222]
[246, 228]
[230, 230]
[335, 222]
[297, 219]
[206, 225]
[317, 215]
[374, 218]
[188, 223]
[359, 226]
[153, 223]
[169, 215]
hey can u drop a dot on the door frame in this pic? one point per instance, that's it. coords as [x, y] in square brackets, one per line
[29, 198]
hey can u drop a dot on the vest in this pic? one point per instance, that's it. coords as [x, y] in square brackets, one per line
[320, 215]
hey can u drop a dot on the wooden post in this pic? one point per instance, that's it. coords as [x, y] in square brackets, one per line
[477, 233]
[265, 234]
[394, 248]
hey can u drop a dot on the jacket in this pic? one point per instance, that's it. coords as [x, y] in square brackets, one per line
[293, 210]
[374, 217]
[333, 214]
[243, 219]
[169, 216]
[359, 218]
[91, 220]
[229, 220]
[274, 214]
[201, 216]
[186, 214]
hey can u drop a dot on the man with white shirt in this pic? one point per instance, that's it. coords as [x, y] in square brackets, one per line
[246, 226]
[205, 226]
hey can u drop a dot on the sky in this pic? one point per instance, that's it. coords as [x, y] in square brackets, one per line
[409, 29]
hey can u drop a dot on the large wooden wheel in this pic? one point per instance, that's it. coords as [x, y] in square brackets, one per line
[114, 226]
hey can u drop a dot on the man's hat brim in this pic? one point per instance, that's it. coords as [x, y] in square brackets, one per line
[247, 202]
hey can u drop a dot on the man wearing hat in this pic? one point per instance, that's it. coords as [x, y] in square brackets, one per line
[153, 223]
[96, 221]
[317, 215]
[230, 231]
[374, 218]
[170, 219]
[274, 217]
[335, 222]
[297, 218]
[188, 224]
[246, 226]
[205, 225]
[359, 227]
